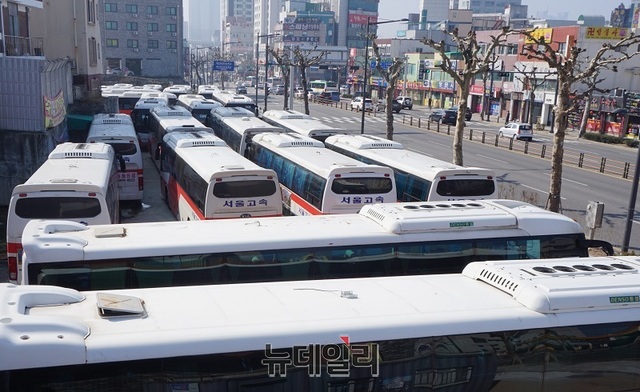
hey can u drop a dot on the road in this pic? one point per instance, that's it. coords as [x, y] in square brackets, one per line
[522, 177]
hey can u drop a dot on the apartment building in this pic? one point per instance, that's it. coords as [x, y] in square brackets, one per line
[143, 39]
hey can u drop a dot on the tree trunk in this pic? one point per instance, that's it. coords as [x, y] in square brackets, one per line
[391, 87]
[461, 99]
[585, 116]
[303, 76]
[285, 75]
[555, 185]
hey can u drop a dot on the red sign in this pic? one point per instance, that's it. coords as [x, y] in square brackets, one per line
[362, 18]
[476, 89]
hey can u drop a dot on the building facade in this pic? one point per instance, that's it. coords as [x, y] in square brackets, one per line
[143, 39]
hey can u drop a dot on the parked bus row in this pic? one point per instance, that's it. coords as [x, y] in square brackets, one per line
[535, 325]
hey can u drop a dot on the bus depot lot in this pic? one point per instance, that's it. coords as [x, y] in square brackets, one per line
[153, 207]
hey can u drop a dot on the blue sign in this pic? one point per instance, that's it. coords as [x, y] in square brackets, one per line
[221, 65]
[383, 64]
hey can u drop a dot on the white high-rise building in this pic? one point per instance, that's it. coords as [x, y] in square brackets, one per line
[432, 12]
[266, 15]
[203, 18]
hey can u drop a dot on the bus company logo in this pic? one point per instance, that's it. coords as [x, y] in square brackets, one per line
[337, 359]
[245, 203]
[461, 224]
[361, 200]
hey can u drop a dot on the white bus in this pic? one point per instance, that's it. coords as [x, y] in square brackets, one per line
[529, 325]
[140, 116]
[127, 99]
[418, 177]
[178, 89]
[202, 178]
[77, 182]
[165, 119]
[316, 180]
[237, 126]
[381, 240]
[321, 86]
[229, 99]
[198, 105]
[300, 123]
[207, 90]
[117, 130]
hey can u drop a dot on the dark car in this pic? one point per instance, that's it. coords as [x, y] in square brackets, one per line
[396, 106]
[241, 90]
[436, 115]
[450, 117]
[328, 96]
[467, 115]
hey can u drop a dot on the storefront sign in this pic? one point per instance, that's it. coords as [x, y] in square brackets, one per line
[605, 33]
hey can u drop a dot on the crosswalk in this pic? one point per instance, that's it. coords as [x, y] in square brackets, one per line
[351, 120]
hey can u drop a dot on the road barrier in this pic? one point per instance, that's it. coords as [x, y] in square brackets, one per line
[573, 158]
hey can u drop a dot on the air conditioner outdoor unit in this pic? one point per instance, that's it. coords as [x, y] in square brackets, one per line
[135, 33]
[174, 34]
[150, 50]
[149, 16]
[135, 49]
[175, 51]
[174, 17]
[134, 15]
[150, 33]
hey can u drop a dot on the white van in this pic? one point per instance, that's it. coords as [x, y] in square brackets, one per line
[78, 182]
[118, 131]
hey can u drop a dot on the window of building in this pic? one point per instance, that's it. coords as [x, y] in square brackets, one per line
[152, 9]
[152, 27]
[132, 26]
[111, 25]
[91, 11]
[172, 44]
[132, 43]
[112, 43]
[93, 52]
[172, 11]
[153, 44]
[172, 28]
[110, 7]
[131, 8]
[512, 49]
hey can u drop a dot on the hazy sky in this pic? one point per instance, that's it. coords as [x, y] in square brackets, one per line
[554, 9]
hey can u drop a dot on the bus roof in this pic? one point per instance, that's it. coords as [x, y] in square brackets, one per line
[171, 111]
[52, 326]
[392, 153]
[195, 101]
[111, 119]
[72, 165]
[232, 112]
[151, 102]
[249, 124]
[313, 155]
[210, 156]
[300, 123]
[374, 224]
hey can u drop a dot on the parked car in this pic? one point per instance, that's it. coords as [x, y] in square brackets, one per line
[467, 115]
[450, 117]
[118, 71]
[406, 102]
[397, 106]
[311, 95]
[241, 90]
[436, 115]
[515, 130]
[330, 96]
[278, 90]
[358, 103]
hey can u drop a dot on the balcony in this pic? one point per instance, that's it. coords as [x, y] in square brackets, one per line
[22, 46]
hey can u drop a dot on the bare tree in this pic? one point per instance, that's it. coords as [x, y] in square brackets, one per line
[571, 70]
[531, 80]
[474, 62]
[303, 61]
[391, 76]
[284, 63]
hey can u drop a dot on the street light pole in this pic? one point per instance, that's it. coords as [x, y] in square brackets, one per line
[266, 65]
[366, 63]
[257, 69]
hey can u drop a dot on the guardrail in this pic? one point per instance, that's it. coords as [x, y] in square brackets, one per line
[578, 159]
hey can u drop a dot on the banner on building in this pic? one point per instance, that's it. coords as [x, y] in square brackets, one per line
[605, 33]
[546, 33]
[54, 110]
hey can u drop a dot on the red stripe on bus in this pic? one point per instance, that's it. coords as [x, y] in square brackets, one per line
[305, 204]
